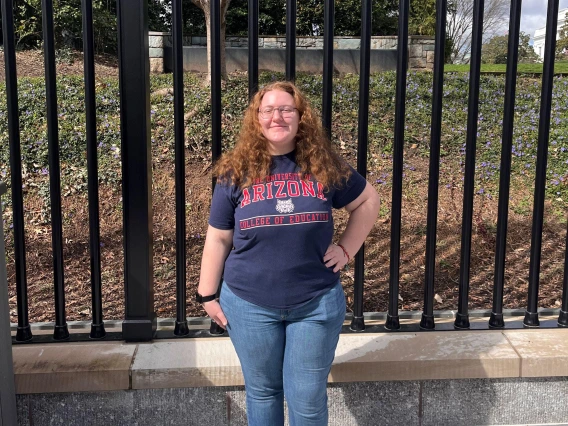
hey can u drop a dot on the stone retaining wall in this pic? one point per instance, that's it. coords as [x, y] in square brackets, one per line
[391, 403]
[420, 48]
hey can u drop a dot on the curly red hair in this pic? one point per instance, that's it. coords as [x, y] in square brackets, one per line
[250, 159]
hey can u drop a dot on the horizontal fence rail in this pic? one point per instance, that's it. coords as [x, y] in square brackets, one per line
[140, 321]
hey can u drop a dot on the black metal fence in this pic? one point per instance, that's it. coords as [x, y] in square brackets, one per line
[140, 318]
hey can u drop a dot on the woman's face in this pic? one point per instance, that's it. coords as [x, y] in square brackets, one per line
[279, 120]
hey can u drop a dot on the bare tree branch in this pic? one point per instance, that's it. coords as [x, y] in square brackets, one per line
[460, 20]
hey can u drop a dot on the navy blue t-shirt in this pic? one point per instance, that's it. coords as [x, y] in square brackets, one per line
[282, 228]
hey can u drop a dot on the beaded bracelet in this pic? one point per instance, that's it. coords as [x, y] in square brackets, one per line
[345, 253]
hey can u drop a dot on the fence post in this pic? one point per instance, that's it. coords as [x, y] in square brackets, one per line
[7, 389]
[134, 75]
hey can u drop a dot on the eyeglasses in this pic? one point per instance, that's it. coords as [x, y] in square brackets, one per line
[285, 112]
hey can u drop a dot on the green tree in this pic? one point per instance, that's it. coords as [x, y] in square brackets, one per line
[193, 22]
[271, 17]
[562, 42]
[422, 17]
[495, 50]
[347, 22]
[68, 27]
[159, 16]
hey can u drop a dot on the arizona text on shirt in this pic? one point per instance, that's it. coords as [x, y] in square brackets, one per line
[282, 189]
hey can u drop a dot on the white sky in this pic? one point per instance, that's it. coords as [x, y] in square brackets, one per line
[533, 15]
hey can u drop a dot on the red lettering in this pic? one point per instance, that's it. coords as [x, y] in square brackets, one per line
[320, 192]
[258, 190]
[293, 188]
[269, 191]
[280, 185]
[307, 189]
[246, 198]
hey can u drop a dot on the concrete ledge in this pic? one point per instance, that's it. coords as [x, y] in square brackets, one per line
[543, 354]
[71, 367]
[68, 367]
[186, 363]
[423, 356]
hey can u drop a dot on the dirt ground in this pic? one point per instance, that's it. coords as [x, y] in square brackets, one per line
[29, 63]
[198, 193]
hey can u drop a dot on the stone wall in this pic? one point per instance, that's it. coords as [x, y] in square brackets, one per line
[393, 403]
[420, 48]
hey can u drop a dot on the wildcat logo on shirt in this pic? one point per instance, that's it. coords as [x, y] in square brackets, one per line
[284, 206]
[292, 187]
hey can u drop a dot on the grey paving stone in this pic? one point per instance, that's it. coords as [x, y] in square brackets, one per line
[182, 406]
[354, 404]
[374, 404]
[238, 404]
[437, 402]
[23, 410]
[237, 407]
[494, 401]
[84, 408]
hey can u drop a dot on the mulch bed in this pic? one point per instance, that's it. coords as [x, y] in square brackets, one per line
[29, 63]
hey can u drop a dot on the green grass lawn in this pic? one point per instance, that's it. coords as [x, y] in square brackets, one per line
[559, 67]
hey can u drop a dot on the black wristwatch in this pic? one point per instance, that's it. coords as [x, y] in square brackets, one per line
[202, 299]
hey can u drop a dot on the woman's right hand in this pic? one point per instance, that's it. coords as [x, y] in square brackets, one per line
[213, 309]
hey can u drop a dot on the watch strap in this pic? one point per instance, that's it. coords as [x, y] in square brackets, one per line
[202, 299]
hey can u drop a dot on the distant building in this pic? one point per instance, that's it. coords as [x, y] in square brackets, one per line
[540, 34]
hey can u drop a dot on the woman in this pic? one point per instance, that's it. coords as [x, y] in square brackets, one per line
[270, 236]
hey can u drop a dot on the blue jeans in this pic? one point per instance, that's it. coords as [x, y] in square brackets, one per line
[285, 353]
